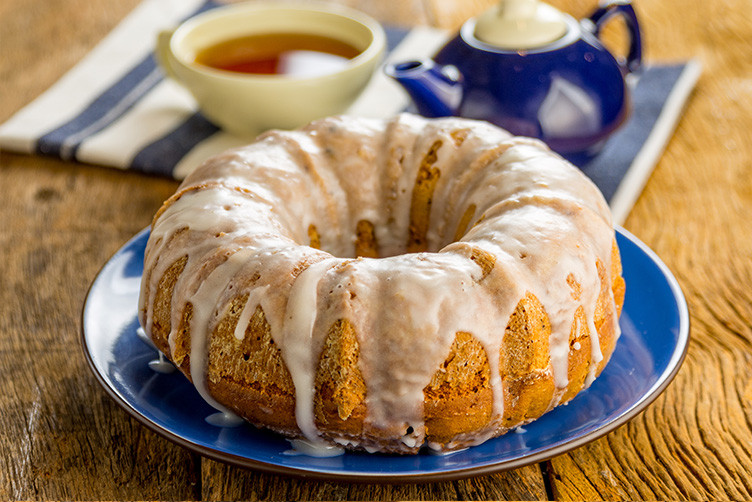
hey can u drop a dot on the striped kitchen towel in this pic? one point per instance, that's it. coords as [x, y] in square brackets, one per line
[116, 109]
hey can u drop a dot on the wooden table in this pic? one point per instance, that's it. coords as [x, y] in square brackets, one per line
[61, 436]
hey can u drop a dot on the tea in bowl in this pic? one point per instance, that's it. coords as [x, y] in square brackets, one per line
[263, 65]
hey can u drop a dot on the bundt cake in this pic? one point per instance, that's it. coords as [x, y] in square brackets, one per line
[385, 285]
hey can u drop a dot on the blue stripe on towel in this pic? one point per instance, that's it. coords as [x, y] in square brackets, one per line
[609, 168]
[102, 111]
[161, 156]
[64, 140]
[394, 36]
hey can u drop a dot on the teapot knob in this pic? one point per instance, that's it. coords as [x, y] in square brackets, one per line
[520, 24]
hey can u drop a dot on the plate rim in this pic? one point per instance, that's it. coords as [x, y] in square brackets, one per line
[667, 376]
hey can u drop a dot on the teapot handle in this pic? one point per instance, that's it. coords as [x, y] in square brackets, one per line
[623, 8]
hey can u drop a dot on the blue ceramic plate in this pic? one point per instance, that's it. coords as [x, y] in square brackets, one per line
[655, 332]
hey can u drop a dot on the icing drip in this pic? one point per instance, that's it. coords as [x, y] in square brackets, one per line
[303, 447]
[255, 298]
[204, 303]
[224, 419]
[299, 353]
[241, 224]
[596, 354]
[160, 365]
[424, 323]
[144, 337]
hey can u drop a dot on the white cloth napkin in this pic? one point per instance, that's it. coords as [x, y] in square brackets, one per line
[116, 109]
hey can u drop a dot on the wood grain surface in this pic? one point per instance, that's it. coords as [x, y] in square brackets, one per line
[61, 437]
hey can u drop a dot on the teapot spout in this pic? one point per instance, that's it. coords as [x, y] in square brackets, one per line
[436, 90]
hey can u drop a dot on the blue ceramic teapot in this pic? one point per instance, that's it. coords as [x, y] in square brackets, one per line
[534, 71]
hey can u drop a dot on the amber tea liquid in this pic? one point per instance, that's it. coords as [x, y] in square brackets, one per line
[290, 54]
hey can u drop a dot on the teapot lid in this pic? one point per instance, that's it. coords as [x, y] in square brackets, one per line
[520, 24]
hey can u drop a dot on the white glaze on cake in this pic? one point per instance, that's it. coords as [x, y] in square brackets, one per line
[244, 231]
